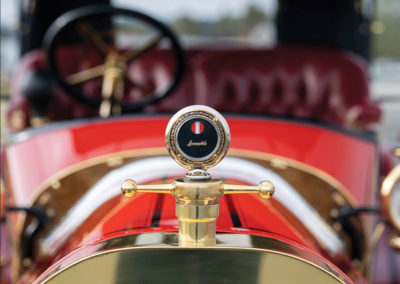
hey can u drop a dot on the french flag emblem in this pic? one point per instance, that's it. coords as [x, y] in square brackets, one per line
[197, 127]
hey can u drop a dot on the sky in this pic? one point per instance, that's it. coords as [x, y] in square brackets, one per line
[204, 9]
[9, 11]
[164, 9]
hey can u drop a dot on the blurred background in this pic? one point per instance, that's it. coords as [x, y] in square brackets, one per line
[240, 22]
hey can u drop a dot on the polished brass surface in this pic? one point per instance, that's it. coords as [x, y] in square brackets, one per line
[86, 75]
[197, 210]
[112, 71]
[395, 242]
[129, 188]
[39, 121]
[89, 34]
[216, 120]
[66, 187]
[197, 195]
[390, 197]
[266, 189]
[2, 200]
[155, 258]
[353, 118]
[18, 120]
[197, 206]
[113, 85]
[366, 264]
[197, 224]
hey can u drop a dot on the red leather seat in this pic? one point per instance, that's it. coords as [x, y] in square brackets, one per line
[301, 82]
[153, 69]
[313, 83]
[61, 106]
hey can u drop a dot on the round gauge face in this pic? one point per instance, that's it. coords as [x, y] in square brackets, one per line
[197, 137]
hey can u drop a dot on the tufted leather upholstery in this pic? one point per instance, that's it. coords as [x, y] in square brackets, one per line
[155, 68]
[301, 82]
[319, 84]
[152, 69]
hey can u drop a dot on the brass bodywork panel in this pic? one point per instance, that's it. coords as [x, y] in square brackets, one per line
[260, 260]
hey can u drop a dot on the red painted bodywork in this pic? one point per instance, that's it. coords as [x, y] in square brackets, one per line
[350, 160]
[347, 158]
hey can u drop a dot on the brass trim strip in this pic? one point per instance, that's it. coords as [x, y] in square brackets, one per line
[344, 195]
[112, 159]
[241, 153]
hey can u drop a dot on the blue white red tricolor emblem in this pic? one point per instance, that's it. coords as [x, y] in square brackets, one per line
[197, 127]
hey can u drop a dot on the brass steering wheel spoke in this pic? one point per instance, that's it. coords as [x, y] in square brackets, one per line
[86, 75]
[84, 23]
[134, 54]
[112, 91]
[88, 33]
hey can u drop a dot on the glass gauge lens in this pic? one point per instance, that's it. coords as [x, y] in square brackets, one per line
[197, 137]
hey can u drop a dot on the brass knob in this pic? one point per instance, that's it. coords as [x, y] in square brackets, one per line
[266, 189]
[197, 204]
[197, 138]
[129, 188]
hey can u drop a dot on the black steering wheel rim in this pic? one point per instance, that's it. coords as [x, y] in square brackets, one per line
[69, 18]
